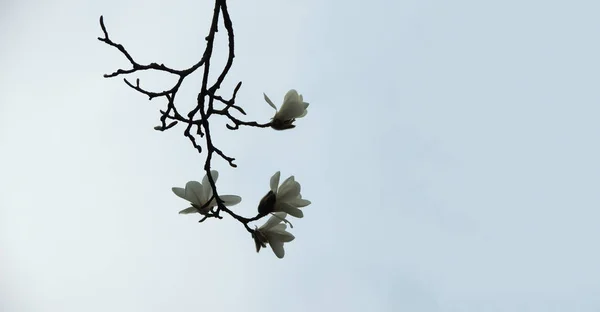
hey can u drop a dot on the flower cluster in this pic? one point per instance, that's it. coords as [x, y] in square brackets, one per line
[280, 201]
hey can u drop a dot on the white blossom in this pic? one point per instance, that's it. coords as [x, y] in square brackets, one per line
[273, 232]
[293, 107]
[199, 193]
[285, 197]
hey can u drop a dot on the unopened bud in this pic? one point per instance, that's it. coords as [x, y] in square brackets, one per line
[267, 204]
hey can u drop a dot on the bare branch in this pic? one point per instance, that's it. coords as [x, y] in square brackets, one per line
[199, 116]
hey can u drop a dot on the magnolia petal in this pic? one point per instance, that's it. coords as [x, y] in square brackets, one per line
[285, 186]
[278, 228]
[291, 210]
[282, 236]
[279, 215]
[289, 193]
[275, 219]
[270, 102]
[189, 210]
[194, 193]
[289, 110]
[305, 111]
[290, 179]
[291, 95]
[231, 200]
[275, 182]
[214, 174]
[299, 202]
[179, 192]
[277, 247]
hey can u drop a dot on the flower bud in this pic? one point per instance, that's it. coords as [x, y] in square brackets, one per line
[267, 204]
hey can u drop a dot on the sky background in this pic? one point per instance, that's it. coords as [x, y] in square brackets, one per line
[450, 153]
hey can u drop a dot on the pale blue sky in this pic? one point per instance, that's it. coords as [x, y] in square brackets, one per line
[450, 153]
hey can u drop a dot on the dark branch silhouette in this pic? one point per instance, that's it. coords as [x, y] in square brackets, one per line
[197, 118]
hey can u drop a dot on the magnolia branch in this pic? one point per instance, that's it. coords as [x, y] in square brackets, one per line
[203, 108]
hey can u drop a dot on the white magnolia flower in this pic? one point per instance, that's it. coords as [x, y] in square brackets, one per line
[293, 107]
[273, 232]
[199, 193]
[285, 197]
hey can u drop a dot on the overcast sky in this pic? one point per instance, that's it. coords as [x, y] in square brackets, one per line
[450, 153]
